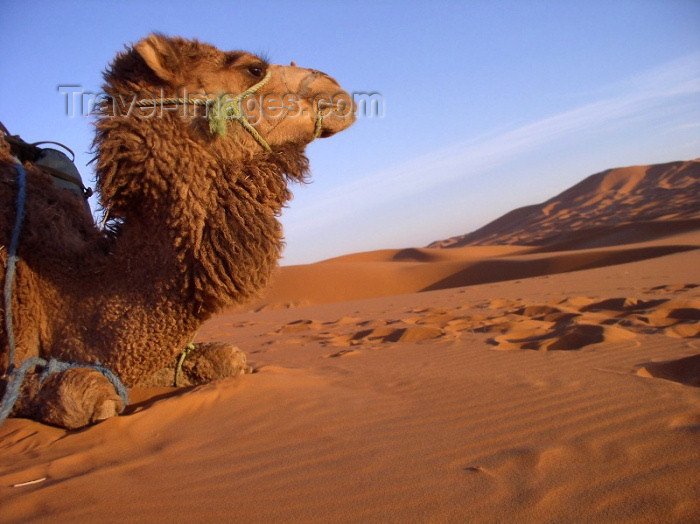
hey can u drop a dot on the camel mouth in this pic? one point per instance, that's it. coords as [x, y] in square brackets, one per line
[333, 125]
[336, 115]
[325, 133]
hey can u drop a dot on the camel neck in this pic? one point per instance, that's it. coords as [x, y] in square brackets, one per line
[203, 210]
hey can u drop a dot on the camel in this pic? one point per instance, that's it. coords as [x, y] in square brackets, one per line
[195, 150]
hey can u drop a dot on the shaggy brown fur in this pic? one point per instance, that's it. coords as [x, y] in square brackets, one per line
[195, 224]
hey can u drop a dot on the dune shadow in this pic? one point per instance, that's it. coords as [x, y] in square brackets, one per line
[146, 403]
[684, 370]
[609, 236]
[624, 304]
[498, 270]
[412, 254]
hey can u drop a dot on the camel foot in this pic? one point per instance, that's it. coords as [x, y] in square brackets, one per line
[212, 361]
[205, 363]
[73, 398]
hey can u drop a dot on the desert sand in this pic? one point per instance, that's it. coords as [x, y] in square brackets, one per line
[547, 379]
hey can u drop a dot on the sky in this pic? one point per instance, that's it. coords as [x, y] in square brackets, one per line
[485, 106]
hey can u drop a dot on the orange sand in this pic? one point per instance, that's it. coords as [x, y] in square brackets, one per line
[559, 385]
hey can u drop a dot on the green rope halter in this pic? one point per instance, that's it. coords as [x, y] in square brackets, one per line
[223, 108]
[178, 368]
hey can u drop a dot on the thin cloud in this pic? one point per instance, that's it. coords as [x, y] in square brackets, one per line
[689, 125]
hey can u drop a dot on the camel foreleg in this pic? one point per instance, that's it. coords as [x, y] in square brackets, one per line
[202, 364]
[69, 399]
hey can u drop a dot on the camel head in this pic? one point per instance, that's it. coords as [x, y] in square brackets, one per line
[285, 105]
[209, 179]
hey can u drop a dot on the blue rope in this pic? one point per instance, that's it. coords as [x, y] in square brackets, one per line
[16, 378]
[58, 366]
[14, 384]
[12, 263]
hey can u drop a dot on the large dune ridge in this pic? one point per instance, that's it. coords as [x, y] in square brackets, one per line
[522, 376]
[659, 193]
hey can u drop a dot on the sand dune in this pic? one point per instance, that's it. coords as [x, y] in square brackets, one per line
[617, 216]
[393, 272]
[560, 398]
[638, 194]
[550, 382]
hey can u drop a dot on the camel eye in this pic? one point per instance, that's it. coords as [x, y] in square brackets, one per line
[256, 71]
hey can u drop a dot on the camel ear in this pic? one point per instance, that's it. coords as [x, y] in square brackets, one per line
[159, 54]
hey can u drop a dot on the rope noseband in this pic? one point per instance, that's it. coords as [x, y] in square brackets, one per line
[225, 107]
